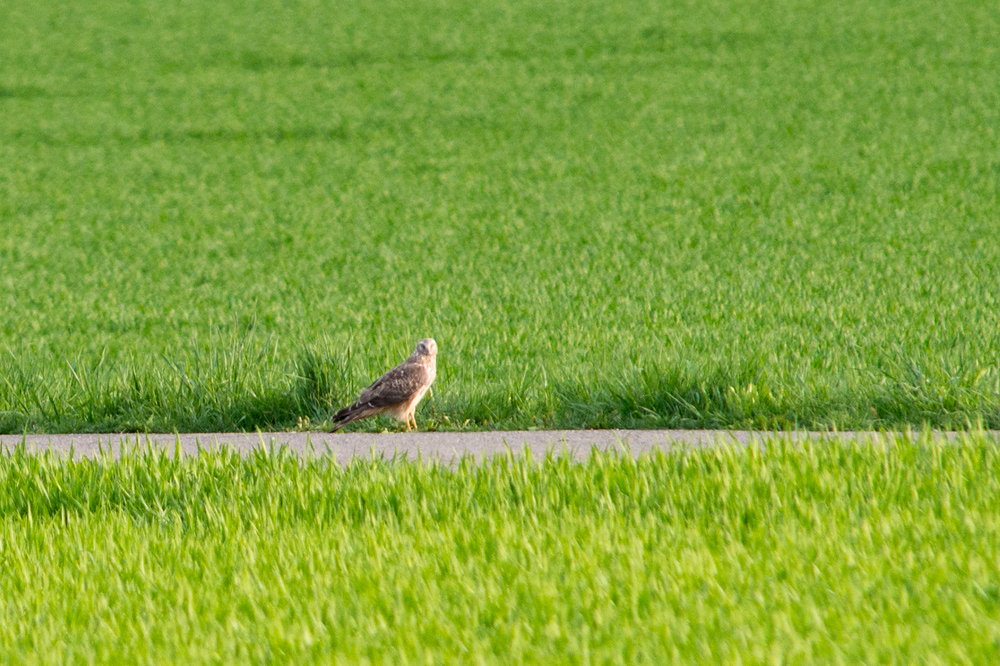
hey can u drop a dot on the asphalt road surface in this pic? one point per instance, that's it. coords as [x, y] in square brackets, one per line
[443, 446]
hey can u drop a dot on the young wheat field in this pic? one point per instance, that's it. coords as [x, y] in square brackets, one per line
[805, 553]
[234, 215]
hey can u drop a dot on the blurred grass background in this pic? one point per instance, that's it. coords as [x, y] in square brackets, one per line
[636, 214]
[799, 553]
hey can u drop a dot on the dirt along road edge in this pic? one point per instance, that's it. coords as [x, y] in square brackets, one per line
[443, 446]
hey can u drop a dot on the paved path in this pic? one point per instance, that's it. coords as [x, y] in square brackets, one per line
[446, 446]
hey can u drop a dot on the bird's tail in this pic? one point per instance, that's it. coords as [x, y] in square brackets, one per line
[346, 415]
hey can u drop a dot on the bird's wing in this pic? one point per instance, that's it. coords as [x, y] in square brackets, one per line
[395, 386]
[398, 385]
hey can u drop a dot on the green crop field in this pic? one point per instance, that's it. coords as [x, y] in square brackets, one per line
[234, 215]
[816, 553]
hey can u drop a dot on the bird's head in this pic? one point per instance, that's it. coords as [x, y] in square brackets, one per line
[427, 347]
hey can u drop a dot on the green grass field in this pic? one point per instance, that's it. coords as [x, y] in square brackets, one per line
[804, 554]
[229, 215]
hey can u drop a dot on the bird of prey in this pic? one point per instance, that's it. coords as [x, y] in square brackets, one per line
[398, 391]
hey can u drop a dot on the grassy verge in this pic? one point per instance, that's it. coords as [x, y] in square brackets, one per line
[811, 553]
[640, 214]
